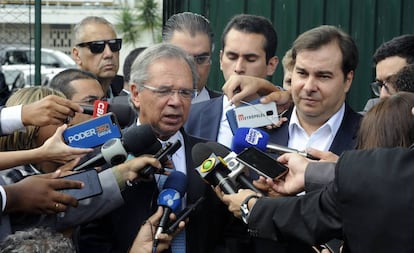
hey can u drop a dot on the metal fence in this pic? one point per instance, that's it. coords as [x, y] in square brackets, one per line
[52, 29]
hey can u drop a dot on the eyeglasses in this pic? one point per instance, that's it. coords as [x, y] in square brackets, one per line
[377, 86]
[98, 46]
[202, 59]
[167, 91]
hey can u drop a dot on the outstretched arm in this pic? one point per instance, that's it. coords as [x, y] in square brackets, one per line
[54, 149]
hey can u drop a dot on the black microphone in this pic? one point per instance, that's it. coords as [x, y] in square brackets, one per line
[212, 168]
[238, 169]
[136, 140]
[169, 198]
[162, 156]
[123, 112]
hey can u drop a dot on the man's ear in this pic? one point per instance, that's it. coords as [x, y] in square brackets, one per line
[221, 57]
[348, 81]
[76, 56]
[271, 65]
[134, 93]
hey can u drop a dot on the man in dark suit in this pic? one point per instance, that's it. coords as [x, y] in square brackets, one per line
[248, 49]
[370, 215]
[163, 80]
[192, 33]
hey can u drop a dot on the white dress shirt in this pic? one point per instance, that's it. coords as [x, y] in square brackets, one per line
[321, 139]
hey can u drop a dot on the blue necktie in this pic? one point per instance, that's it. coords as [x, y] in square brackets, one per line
[178, 242]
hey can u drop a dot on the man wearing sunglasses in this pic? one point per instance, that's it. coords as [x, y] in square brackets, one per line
[97, 51]
[389, 58]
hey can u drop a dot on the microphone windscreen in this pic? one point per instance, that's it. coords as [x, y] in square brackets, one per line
[200, 152]
[247, 137]
[123, 113]
[140, 140]
[218, 149]
[177, 181]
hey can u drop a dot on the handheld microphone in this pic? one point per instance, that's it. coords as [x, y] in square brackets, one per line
[212, 168]
[124, 113]
[136, 140]
[170, 198]
[162, 156]
[238, 169]
[252, 137]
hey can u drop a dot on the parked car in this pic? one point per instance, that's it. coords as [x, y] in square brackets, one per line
[25, 55]
[18, 65]
[22, 75]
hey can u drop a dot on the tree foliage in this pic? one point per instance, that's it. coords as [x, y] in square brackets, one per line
[145, 16]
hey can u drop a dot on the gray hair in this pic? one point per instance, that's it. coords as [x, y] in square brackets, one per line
[187, 21]
[139, 69]
[37, 240]
[78, 29]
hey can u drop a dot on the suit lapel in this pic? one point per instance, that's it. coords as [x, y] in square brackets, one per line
[346, 136]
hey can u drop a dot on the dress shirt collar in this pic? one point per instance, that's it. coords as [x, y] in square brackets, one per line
[321, 139]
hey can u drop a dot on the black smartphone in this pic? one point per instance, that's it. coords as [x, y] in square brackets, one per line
[183, 215]
[262, 163]
[91, 188]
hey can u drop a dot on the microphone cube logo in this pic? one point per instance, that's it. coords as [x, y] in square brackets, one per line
[170, 198]
[92, 133]
[253, 136]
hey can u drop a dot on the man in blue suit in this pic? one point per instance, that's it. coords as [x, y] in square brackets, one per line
[248, 47]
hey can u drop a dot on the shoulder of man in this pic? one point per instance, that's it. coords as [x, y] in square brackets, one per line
[117, 84]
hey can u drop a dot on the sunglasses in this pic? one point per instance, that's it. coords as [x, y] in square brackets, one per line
[98, 46]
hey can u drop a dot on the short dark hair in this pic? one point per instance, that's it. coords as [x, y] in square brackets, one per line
[402, 46]
[322, 35]
[62, 79]
[190, 22]
[403, 80]
[253, 24]
[128, 62]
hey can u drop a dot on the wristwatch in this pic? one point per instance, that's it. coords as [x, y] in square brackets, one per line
[244, 207]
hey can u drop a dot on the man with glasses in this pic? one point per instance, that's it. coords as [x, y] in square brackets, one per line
[192, 33]
[162, 84]
[97, 51]
[389, 58]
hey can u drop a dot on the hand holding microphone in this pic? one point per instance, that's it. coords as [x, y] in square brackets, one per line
[218, 166]
[169, 198]
[124, 113]
[247, 137]
[136, 140]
